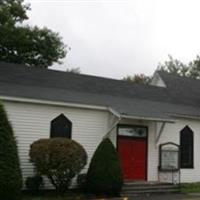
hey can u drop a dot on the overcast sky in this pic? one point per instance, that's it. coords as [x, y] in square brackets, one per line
[114, 38]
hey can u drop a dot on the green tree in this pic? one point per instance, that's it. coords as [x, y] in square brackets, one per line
[138, 78]
[10, 173]
[174, 66]
[194, 67]
[104, 174]
[19, 43]
[191, 69]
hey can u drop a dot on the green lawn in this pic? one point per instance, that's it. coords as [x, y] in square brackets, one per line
[190, 187]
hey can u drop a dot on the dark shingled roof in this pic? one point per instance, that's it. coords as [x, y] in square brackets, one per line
[182, 89]
[126, 98]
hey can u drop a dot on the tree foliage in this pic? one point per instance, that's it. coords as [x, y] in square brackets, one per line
[19, 43]
[173, 66]
[10, 173]
[104, 173]
[60, 159]
[138, 78]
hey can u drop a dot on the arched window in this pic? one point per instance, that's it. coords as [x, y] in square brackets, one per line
[186, 147]
[61, 127]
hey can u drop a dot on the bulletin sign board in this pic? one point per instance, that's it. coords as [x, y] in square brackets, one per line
[169, 157]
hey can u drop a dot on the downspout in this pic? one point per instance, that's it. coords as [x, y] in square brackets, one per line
[160, 132]
[117, 115]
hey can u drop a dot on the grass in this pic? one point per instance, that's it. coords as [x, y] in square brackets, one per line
[190, 187]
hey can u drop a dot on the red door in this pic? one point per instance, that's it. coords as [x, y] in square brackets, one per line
[132, 153]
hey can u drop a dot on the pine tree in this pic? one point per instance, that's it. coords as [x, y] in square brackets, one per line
[10, 173]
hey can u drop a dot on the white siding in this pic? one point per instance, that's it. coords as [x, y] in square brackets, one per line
[152, 153]
[171, 133]
[32, 122]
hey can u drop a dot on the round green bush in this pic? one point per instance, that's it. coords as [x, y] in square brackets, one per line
[104, 175]
[60, 159]
[10, 173]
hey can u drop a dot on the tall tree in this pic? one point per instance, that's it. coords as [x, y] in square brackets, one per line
[19, 43]
[194, 67]
[10, 172]
[191, 69]
[174, 66]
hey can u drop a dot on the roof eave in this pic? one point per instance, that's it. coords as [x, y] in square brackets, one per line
[48, 102]
[185, 116]
[155, 119]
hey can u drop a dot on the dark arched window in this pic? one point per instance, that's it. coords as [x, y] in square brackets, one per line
[186, 147]
[61, 127]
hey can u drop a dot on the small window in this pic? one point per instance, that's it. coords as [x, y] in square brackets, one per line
[61, 127]
[133, 131]
[186, 148]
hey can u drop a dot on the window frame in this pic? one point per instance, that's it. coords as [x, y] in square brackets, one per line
[68, 123]
[191, 164]
[132, 126]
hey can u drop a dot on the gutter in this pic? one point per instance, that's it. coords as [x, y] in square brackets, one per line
[56, 103]
[84, 106]
[74, 105]
[59, 103]
[114, 112]
[185, 116]
[148, 118]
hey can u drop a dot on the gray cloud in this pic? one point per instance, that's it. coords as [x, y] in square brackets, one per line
[115, 38]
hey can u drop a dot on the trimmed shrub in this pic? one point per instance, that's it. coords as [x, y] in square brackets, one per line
[60, 159]
[104, 174]
[34, 183]
[10, 173]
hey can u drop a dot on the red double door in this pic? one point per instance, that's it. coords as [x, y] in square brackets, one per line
[132, 154]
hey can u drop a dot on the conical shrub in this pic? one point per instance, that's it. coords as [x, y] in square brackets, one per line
[104, 174]
[10, 173]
